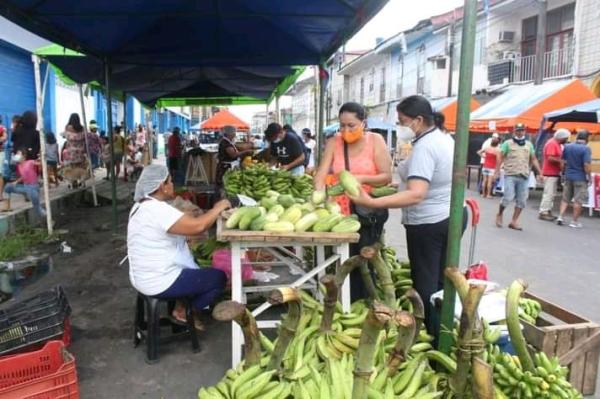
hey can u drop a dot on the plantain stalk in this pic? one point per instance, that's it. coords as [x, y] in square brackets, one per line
[368, 281]
[406, 336]
[385, 279]
[483, 380]
[514, 326]
[418, 308]
[379, 314]
[459, 281]
[329, 301]
[288, 325]
[352, 263]
[235, 311]
[466, 343]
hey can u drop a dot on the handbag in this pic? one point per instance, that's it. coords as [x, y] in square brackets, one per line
[371, 219]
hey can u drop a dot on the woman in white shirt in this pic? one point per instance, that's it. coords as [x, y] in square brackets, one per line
[160, 263]
[311, 144]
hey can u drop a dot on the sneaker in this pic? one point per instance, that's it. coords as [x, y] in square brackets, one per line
[560, 221]
[575, 225]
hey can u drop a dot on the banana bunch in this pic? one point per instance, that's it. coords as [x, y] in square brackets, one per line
[400, 272]
[281, 181]
[232, 181]
[302, 186]
[548, 380]
[416, 379]
[529, 309]
[203, 251]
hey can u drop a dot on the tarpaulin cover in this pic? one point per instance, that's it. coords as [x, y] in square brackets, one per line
[187, 33]
[449, 107]
[588, 111]
[527, 104]
[224, 118]
[174, 85]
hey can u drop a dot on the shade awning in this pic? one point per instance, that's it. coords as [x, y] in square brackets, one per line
[588, 111]
[186, 33]
[224, 118]
[527, 104]
[449, 107]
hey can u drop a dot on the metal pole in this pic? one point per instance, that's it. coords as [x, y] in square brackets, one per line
[39, 105]
[321, 124]
[109, 122]
[277, 117]
[467, 50]
[87, 145]
[540, 43]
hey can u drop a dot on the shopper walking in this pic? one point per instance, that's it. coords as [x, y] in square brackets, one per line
[517, 156]
[94, 144]
[311, 145]
[551, 168]
[174, 148]
[578, 158]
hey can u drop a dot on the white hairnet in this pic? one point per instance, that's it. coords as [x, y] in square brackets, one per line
[150, 180]
[562, 134]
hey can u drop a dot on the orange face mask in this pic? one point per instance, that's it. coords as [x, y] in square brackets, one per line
[353, 136]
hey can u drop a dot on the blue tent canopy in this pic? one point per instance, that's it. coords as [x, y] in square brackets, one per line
[588, 111]
[186, 33]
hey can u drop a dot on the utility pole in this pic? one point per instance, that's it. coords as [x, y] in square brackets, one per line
[540, 43]
[451, 55]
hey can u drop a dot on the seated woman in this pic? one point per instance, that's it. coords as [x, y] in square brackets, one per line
[160, 262]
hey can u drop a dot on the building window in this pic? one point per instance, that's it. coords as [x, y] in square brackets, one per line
[382, 86]
[362, 90]
[440, 63]
[559, 30]
[372, 80]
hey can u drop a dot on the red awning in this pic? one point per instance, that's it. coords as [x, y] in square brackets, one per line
[224, 118]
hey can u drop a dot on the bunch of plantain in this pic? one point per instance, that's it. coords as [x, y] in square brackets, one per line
[529, 309]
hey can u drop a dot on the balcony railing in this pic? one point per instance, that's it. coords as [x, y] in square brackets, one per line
[522, 69]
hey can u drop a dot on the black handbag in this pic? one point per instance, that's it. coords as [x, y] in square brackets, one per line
[371, 219]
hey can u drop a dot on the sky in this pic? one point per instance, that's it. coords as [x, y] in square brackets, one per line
[396, 16]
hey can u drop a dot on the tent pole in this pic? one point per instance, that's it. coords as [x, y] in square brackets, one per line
[321, 121]
[40, 125]
[87, 145]
[467, 50]
[109, 122]
[277, 109]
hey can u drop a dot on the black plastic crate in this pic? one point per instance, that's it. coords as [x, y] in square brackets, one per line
[33, 321]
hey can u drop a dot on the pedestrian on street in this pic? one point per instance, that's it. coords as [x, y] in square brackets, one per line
[75, 156]
[174, 148]
[490, 155]
[119, 151]
[94, 144]
[517, 156]
[551, 167]
[26, 136]
[311, 144]
[52, 158]
[577, 157]
[426, 201]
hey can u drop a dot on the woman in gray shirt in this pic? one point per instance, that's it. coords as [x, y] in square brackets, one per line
[425, 201]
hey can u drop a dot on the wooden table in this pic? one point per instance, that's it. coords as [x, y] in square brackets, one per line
[276, 244]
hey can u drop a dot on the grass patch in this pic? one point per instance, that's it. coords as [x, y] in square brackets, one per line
[15, 245]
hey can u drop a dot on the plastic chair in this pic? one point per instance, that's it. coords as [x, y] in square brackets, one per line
[148, 322]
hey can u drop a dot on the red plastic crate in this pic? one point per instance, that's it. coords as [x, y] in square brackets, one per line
[48, 373]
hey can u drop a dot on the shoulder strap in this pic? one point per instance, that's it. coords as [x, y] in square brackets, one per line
[346, 157]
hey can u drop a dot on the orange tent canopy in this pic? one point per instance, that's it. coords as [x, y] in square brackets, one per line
[527, 104]
[224, 118]
[449, 107]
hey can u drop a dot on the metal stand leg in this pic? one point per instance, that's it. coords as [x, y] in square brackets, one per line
[236, 295]
[344, 251]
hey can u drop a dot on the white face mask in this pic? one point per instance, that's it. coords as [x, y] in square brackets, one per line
[405, 133]
[18, 158]
[277, 140]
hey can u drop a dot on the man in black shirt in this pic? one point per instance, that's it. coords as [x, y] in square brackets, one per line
[286, 149]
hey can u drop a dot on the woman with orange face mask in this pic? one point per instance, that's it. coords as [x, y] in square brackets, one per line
[366, 156]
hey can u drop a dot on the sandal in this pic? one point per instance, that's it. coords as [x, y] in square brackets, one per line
[515, 227]
[182, 321]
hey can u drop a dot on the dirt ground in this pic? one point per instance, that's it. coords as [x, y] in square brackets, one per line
[103, 301]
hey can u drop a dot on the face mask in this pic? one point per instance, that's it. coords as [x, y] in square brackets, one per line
[519, 140]
[18, 158]
[354, 135]
[277, 140]
[405, 133]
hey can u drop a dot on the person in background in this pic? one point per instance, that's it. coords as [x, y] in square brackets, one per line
[259, 143]
[228, 154]
[3, 140]
[119, 148]
[439, 120]
[134, 163]
[52, 158]
[161, 264]
[94, 145]
[365, 155]
[551, 168]
[577, 159]
[26, 184]
[106, 156]
[517, 156]
[154, 142]
[174, 148]
[26, 136]
[425, 202]
[75, 157]
[490, 154]
[311, 145]
[286, 149]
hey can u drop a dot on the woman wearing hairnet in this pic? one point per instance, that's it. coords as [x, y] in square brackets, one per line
[160, 262]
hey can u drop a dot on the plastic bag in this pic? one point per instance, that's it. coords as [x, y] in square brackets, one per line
[478, 271]
[222, 260]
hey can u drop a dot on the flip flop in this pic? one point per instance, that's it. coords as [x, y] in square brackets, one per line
[512, 226]
[182, 321]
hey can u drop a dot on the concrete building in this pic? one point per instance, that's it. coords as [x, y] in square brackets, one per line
[304, 94]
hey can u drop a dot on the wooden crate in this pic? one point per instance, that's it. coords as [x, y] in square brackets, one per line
[574, 339]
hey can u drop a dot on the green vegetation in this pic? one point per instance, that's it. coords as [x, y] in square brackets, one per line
[15, 245]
